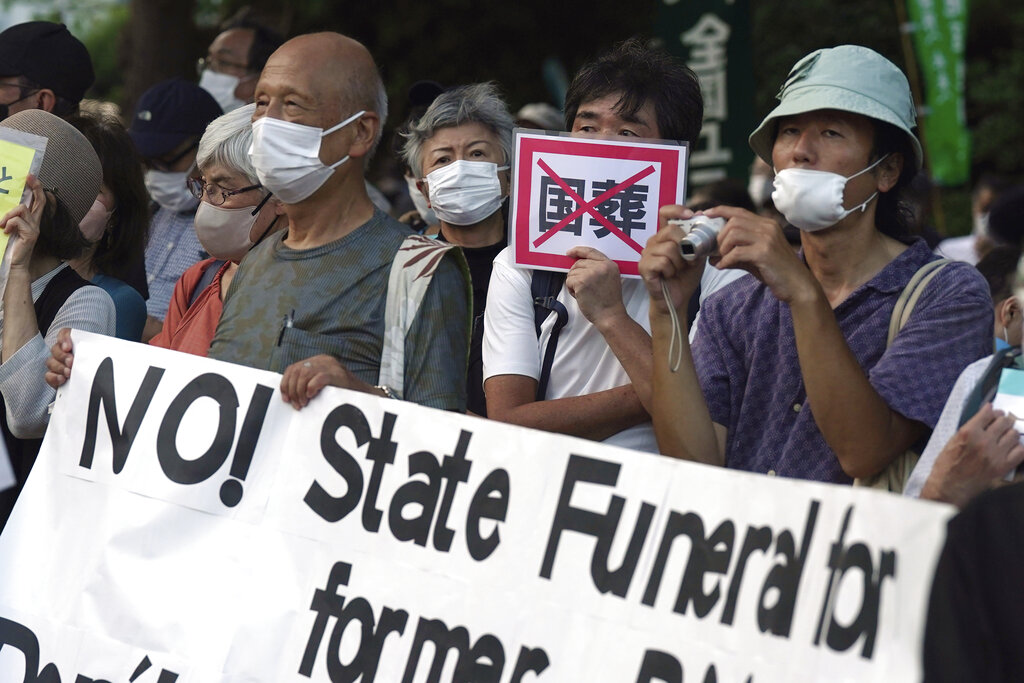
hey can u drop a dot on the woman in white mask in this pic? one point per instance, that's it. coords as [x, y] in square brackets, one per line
[792, 372]
[235, 213]
[460, 150]
[117, 224]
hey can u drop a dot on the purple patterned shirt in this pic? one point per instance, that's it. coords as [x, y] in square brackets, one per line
[745, 354]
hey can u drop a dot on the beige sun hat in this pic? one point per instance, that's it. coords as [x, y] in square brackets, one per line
[70, 168]
[849, 78]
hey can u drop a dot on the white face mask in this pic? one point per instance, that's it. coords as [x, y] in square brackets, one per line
[222, 88]
[168, 189]
[420, 202]
[286, 156]
[813, 200]
[94, 223]
[227, 233]
[465, 192]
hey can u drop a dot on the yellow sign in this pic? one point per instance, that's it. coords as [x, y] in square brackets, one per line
[15, 163]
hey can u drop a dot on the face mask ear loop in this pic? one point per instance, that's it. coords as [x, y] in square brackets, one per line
[262, 202]
[675, 345]
[265, 233]
[269, 227]
[343, 123]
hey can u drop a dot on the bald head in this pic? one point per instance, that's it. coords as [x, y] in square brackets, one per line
[335, 70]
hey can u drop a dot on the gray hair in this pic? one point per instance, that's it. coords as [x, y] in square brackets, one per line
[369, 95]
[476, 103]
[227, 140]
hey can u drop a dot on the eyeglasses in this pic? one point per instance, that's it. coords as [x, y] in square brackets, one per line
[214, 194]
[218, 65]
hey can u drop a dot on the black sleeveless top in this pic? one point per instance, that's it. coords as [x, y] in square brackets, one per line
[23, 452]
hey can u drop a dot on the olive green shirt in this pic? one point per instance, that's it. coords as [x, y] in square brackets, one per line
[286, 305]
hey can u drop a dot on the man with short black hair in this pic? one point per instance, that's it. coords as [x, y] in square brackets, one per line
[234, 61]
[600, 377]
[42, 66]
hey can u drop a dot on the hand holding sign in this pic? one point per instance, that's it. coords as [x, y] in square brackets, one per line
[594, 282]
[23, 222]
[599, 193]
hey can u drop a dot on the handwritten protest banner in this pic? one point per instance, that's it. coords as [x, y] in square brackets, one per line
[183, 524]
[572, 191]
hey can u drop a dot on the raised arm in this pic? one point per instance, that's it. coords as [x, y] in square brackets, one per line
[682, 423]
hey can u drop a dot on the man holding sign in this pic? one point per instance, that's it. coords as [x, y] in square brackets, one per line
[601, 370]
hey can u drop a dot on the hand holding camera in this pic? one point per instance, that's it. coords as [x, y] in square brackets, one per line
[701, 236]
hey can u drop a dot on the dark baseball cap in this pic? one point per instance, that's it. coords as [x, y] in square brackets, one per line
[48, 55]
[170, 113]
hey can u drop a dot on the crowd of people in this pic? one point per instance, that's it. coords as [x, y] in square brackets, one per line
[824, 340]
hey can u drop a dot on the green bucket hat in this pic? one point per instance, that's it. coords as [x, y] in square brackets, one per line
[848, 78]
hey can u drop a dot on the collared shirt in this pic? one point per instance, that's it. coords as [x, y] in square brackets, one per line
[746, 360]
[173, 248]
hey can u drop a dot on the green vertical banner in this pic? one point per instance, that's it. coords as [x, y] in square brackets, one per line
[939, 30]
[713, 38]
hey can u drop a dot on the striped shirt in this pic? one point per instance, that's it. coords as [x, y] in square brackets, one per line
[173, 248]
[286, 305]
[26, 394]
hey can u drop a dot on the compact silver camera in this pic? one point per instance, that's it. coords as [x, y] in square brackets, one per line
[701, 236]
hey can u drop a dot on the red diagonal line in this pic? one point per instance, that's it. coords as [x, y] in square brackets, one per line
[589, 207]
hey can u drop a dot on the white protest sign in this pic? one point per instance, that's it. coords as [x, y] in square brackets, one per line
[7, 479]
[601, 193]
[367, 539]
[1010, 395]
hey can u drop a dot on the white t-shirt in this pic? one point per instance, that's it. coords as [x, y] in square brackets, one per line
[584, 363]
[959, 249]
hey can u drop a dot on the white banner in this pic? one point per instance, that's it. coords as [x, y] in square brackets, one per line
[183, 524]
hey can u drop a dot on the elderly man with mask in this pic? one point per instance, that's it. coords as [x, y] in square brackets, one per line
[460, 150]
[311, 302]
[796, 370]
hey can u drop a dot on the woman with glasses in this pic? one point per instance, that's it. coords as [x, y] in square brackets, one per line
[235, 213]
[117, 224]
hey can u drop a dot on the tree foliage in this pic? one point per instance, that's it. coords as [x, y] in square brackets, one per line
[463, 41]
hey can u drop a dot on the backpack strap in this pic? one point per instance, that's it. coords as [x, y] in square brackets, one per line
[910, 295]
[545, 286]
[412, 270]
[205, 280]
[894, 477]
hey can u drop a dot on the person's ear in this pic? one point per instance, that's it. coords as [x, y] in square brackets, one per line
[1008, 312]
[889, 171]
[46, 99]
[366, 127]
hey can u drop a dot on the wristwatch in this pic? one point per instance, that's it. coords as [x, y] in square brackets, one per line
[388, 391]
